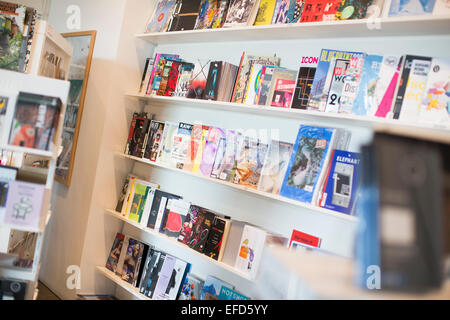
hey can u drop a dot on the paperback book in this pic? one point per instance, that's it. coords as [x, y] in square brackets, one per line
[160, 20]
[250, 250]
[211, 288]
[191, 288]
[250, 163]
[158, 208]
[165, 155]
[181, 144]
[365, 99]
[114, 254]
[154, 141]
[132, 261]
[305, 79]
[210, 150]
[228, 294]
[241, 13]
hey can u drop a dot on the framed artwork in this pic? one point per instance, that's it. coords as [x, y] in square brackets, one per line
[83, 47]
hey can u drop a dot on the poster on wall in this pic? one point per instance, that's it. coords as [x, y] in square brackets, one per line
[83, 47]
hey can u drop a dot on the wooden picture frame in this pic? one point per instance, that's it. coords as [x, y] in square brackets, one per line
[81, 60]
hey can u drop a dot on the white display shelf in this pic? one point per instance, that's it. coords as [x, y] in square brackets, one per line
[178, 244]
[381, 27]
[313, 209]
[18, 274]
[438, 132]
[36, 152]
[115, 278]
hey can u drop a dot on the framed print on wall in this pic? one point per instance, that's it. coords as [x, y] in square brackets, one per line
[83, 48]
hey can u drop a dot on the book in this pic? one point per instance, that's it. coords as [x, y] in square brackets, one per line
[25, 203]
[250, 163]
[186, 232]
[13, 24]
[403, 82]
[415, 90]
[128, 196]
[195, 147]
[138, 201]
[114, 254]
[265, 12]
[240, 87]
[158, 208]
[199, 78]
[210, 150]
[200, 230]
[172, 78]
[275, 166]
[132, 261]
[301, 239]
[250, 250]
[170, 278]
[7, 174]
[227, 80]
[165, 155]
[352, 9]
[226, 156]
[241, 13]
[181, 144]
[136, 135]
[228, 294]
[184, 79]
[386, 86]
[411, 7]
[160, 19]
[211, 288]
[217, 238]
[319, 89]
[154, 143]
[352, 80]
[191, 288]
[213, 80]
[152, 265]
[282, 89]
[341, 186]
[310, 155]
[152, 187]
[365, 99]
[262, 95]
[36, 119]
[254, 83]
[158, 66]
[305, 80]
[175, 215]
[184, 16]
[295, 11]
[207, 11]
[233, 242]
[280, 15]
[319, 10]
[435, 106]
[146, 74]
[165, 74]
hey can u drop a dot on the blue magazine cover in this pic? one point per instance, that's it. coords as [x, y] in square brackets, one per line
[211, 288]
[369, 76]
[342, 183]
[228, 294]
[307, 161]
[160, 18]
[319, 92]
[411, 7]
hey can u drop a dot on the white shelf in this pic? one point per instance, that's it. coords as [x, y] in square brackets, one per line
[394, 26]
[115, 278]
[37, 152]
[313, 209]
[18, 274]
[179, 244]
[436, 132]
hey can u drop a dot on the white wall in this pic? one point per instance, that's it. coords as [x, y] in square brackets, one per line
[71, 206]
[81, 234]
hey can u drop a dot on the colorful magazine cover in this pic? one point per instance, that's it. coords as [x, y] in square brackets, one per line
[226, 155]
[176, 212]
[283, 92]
[265, 12]
[241, 13]
[281, 13]
[295, 11]
[262, 96]
[250, 163]
[352, 80]
[200, 230]
[211, 288]
[132, 261]
[171, 278]
[411, 7]
[114, 254]
[191, 288]
[154, 263]
[154, 141]
[386, 85]
[319, 10]
[207, 12]
[12, 28]
[210, 150]
[275, 166]
[319, 90]
[335, 83]
[436, 103]
[365, 98]
[198, 83]
[311, 150]
[160, 19]
[352, 9]
[341, 186]
[35, 121]
[184, 80]
[305, 79]
[250, 250]
[138, 202]
[156, 74]
[181, 144]
[188, 224]
[415, 90]
[195, 147]
[254, 83]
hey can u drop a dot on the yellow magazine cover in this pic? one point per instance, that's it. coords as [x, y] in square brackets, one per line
[265, 12]
[198, 158]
